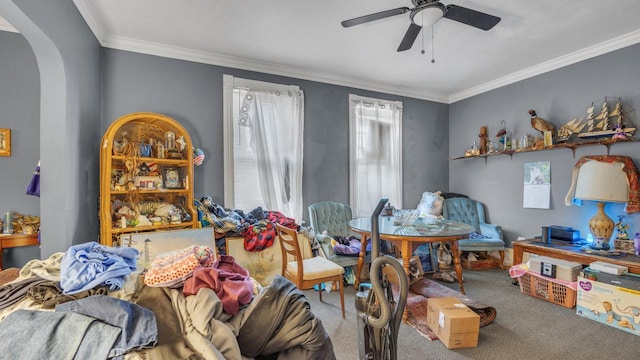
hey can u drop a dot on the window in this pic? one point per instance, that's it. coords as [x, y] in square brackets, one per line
[375, 148]
[263, 132]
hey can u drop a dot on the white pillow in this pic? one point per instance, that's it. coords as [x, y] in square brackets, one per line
[431, 204]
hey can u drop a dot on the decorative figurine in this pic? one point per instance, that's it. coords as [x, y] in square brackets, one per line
[501, 135]
[503, 130]
[539, 123]
[620, 133]
[483, 139]
[622, 229]
[574, 126]
[608, 124]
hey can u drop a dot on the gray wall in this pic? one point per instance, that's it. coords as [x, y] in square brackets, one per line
[68, 57]
[557, 96]
[20, 112]
[192, 94]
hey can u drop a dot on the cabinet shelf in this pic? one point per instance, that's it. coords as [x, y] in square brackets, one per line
[158, 161]
[135, 229]
[571, 146]
[156, 192]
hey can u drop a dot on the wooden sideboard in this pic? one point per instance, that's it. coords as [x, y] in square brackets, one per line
[16, 240]
[569, 252]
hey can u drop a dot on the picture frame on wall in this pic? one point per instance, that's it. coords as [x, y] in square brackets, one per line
[171, 177]
[5, 142]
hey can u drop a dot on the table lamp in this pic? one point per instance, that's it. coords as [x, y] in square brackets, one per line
[602, 182]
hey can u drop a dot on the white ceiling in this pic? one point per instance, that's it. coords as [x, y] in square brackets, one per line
[304, 39]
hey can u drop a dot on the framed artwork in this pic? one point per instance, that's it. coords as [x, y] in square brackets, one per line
[171, 178]
[152, 244]
[5, 142]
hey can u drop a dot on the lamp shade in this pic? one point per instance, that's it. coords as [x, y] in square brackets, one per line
[602, 181]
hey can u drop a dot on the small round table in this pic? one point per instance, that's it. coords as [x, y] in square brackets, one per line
[421, 231]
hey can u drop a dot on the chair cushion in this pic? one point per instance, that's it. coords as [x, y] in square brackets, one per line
[315, 268]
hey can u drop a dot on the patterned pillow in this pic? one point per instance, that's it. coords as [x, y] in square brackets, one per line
[173, 268]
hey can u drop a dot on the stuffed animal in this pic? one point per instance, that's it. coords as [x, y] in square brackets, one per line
[431, 204]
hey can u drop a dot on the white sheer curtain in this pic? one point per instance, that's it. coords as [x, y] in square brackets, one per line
[375, 153]
[273, 114]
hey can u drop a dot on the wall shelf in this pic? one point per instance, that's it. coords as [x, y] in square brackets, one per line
[570, 145]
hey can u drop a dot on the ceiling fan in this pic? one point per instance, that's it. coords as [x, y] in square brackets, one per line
[428, 12]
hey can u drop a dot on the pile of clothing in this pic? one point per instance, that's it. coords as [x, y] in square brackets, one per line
[189, 305]
[348, 245]
[256, 226]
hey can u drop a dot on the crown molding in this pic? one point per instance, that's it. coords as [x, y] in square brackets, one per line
[127, 44]
[87, 11]
[175, 52]
[5, 26]
[553, 64]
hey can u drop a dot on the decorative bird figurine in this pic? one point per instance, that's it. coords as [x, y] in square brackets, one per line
[503, 130]
[540, 124]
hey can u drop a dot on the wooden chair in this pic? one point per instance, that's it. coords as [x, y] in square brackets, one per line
[306, 273]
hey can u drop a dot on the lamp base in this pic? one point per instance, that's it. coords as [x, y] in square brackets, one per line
[600, 244]
[601, 227]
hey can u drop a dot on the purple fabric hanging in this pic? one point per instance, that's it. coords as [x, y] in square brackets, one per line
[34, 185]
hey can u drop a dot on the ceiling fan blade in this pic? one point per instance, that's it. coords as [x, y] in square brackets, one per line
[471, 17]
[410, 37]
[374, 17]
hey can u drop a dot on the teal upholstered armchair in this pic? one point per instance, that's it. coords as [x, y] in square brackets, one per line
[333, 218]
[487, 237]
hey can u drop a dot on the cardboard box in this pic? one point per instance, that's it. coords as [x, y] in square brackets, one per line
[454, 323]
[609, 268]
[482, 262]
[554, 268]
[629, 281]
[611, 305]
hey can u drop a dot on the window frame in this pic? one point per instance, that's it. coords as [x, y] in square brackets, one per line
[396, 199]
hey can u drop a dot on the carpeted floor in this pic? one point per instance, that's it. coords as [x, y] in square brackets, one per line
[417, 310]
[424, 289]
[524, 327]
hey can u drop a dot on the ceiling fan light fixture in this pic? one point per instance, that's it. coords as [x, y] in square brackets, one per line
[428, 14]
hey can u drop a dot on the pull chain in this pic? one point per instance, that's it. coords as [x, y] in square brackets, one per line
[422, 38]
[433, 60]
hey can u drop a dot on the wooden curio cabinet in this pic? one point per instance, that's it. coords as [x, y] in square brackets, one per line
[146, 177]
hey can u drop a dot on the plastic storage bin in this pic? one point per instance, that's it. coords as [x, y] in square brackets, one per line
[547, 289]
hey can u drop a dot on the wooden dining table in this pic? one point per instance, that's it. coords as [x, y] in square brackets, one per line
[422, 230]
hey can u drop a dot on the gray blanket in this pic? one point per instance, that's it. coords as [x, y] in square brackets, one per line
[35, 335]
[280, 321]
